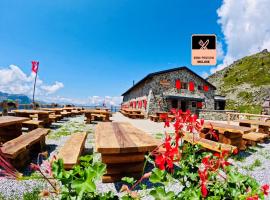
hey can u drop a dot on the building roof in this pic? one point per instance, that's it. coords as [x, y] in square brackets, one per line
[163, 72]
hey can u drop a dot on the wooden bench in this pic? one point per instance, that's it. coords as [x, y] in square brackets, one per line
[254, 137]
[98, 117]
[52, 118]
[154, 118]
[208, 144]
[72, 149]
[32, 124]
[19, 149]
[136, 115]
[122, 148]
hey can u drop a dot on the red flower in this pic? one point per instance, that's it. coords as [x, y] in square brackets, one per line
[235, 151]
[204, 190]
[203, 179]
[255, 197]
[160, 162]
[265, 188]
[167, 123]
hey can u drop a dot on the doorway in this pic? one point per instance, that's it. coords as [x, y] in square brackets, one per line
[175, 103]
[184, 106]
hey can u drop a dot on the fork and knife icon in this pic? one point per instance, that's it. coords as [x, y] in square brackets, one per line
[204, 44]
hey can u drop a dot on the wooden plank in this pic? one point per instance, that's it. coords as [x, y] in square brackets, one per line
[33, 122]
[254, 136]
[122, 137]
[254, 122]
[208, 144]
[72, 149]
[10, 120]
[122, 158]
[222, 128]
[14, 147]
[124, 169]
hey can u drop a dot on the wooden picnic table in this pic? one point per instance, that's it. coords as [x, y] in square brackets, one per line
[122, 148]
[228, 134]
[131, 111]
[259, 125]
[89, 113]
[56, 110]
[10, 127]
[42, 115]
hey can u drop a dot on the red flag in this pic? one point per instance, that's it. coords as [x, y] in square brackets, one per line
[35, 66]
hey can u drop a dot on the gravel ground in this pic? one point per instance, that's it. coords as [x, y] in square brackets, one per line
[12, 189]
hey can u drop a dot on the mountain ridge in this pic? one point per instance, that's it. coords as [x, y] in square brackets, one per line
[245, 83]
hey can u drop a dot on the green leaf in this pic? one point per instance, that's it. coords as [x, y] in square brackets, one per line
[160, 194]
[58, 169]
[129, 180]
[85, 184]
[158, 176]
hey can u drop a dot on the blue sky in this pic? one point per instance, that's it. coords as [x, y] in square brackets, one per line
[99, 47]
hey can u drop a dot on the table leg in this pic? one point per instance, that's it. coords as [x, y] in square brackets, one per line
[234, 139]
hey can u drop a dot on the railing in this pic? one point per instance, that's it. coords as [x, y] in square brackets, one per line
[30, 106]
[234, 116]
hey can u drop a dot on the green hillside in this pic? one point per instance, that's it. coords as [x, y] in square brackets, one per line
[245, 83]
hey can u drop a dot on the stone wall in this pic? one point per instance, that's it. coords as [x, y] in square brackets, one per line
[219, 115]
[156, 93]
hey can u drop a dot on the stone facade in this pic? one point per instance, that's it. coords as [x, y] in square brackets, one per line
[159, 90]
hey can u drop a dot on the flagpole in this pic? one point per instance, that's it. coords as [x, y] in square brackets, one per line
[34, 106]
[35, 69]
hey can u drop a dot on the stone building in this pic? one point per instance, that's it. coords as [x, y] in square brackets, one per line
[178, 88]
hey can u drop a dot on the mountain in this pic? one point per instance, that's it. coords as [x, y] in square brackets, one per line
[23, 99]
[245, 83]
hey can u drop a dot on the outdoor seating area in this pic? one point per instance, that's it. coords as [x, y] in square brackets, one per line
[96, 115]
[123, 146]
[161, 116]
[132, 113]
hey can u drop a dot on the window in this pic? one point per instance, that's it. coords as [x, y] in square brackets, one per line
[184, 85]
[193, 104]
[200, 87]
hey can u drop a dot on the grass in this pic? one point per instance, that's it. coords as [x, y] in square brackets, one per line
[33, 195]
[243, 108]
[68, 129]
[255, 164]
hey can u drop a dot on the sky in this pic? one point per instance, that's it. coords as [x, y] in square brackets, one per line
[93, 50]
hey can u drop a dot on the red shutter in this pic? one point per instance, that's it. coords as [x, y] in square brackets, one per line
[205, 88]
[145, 104]
[191, 86]
[131, 104]
[134, 104]
[178, 84]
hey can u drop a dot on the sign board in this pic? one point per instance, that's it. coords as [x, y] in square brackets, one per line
[204, 49]
[164, 83]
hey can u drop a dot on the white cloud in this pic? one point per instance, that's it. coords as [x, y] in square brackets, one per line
[220, 52]
[14, 81]
[204, 74]
[50, 89]
[246, 28]
[90, 101]
[108, 100]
